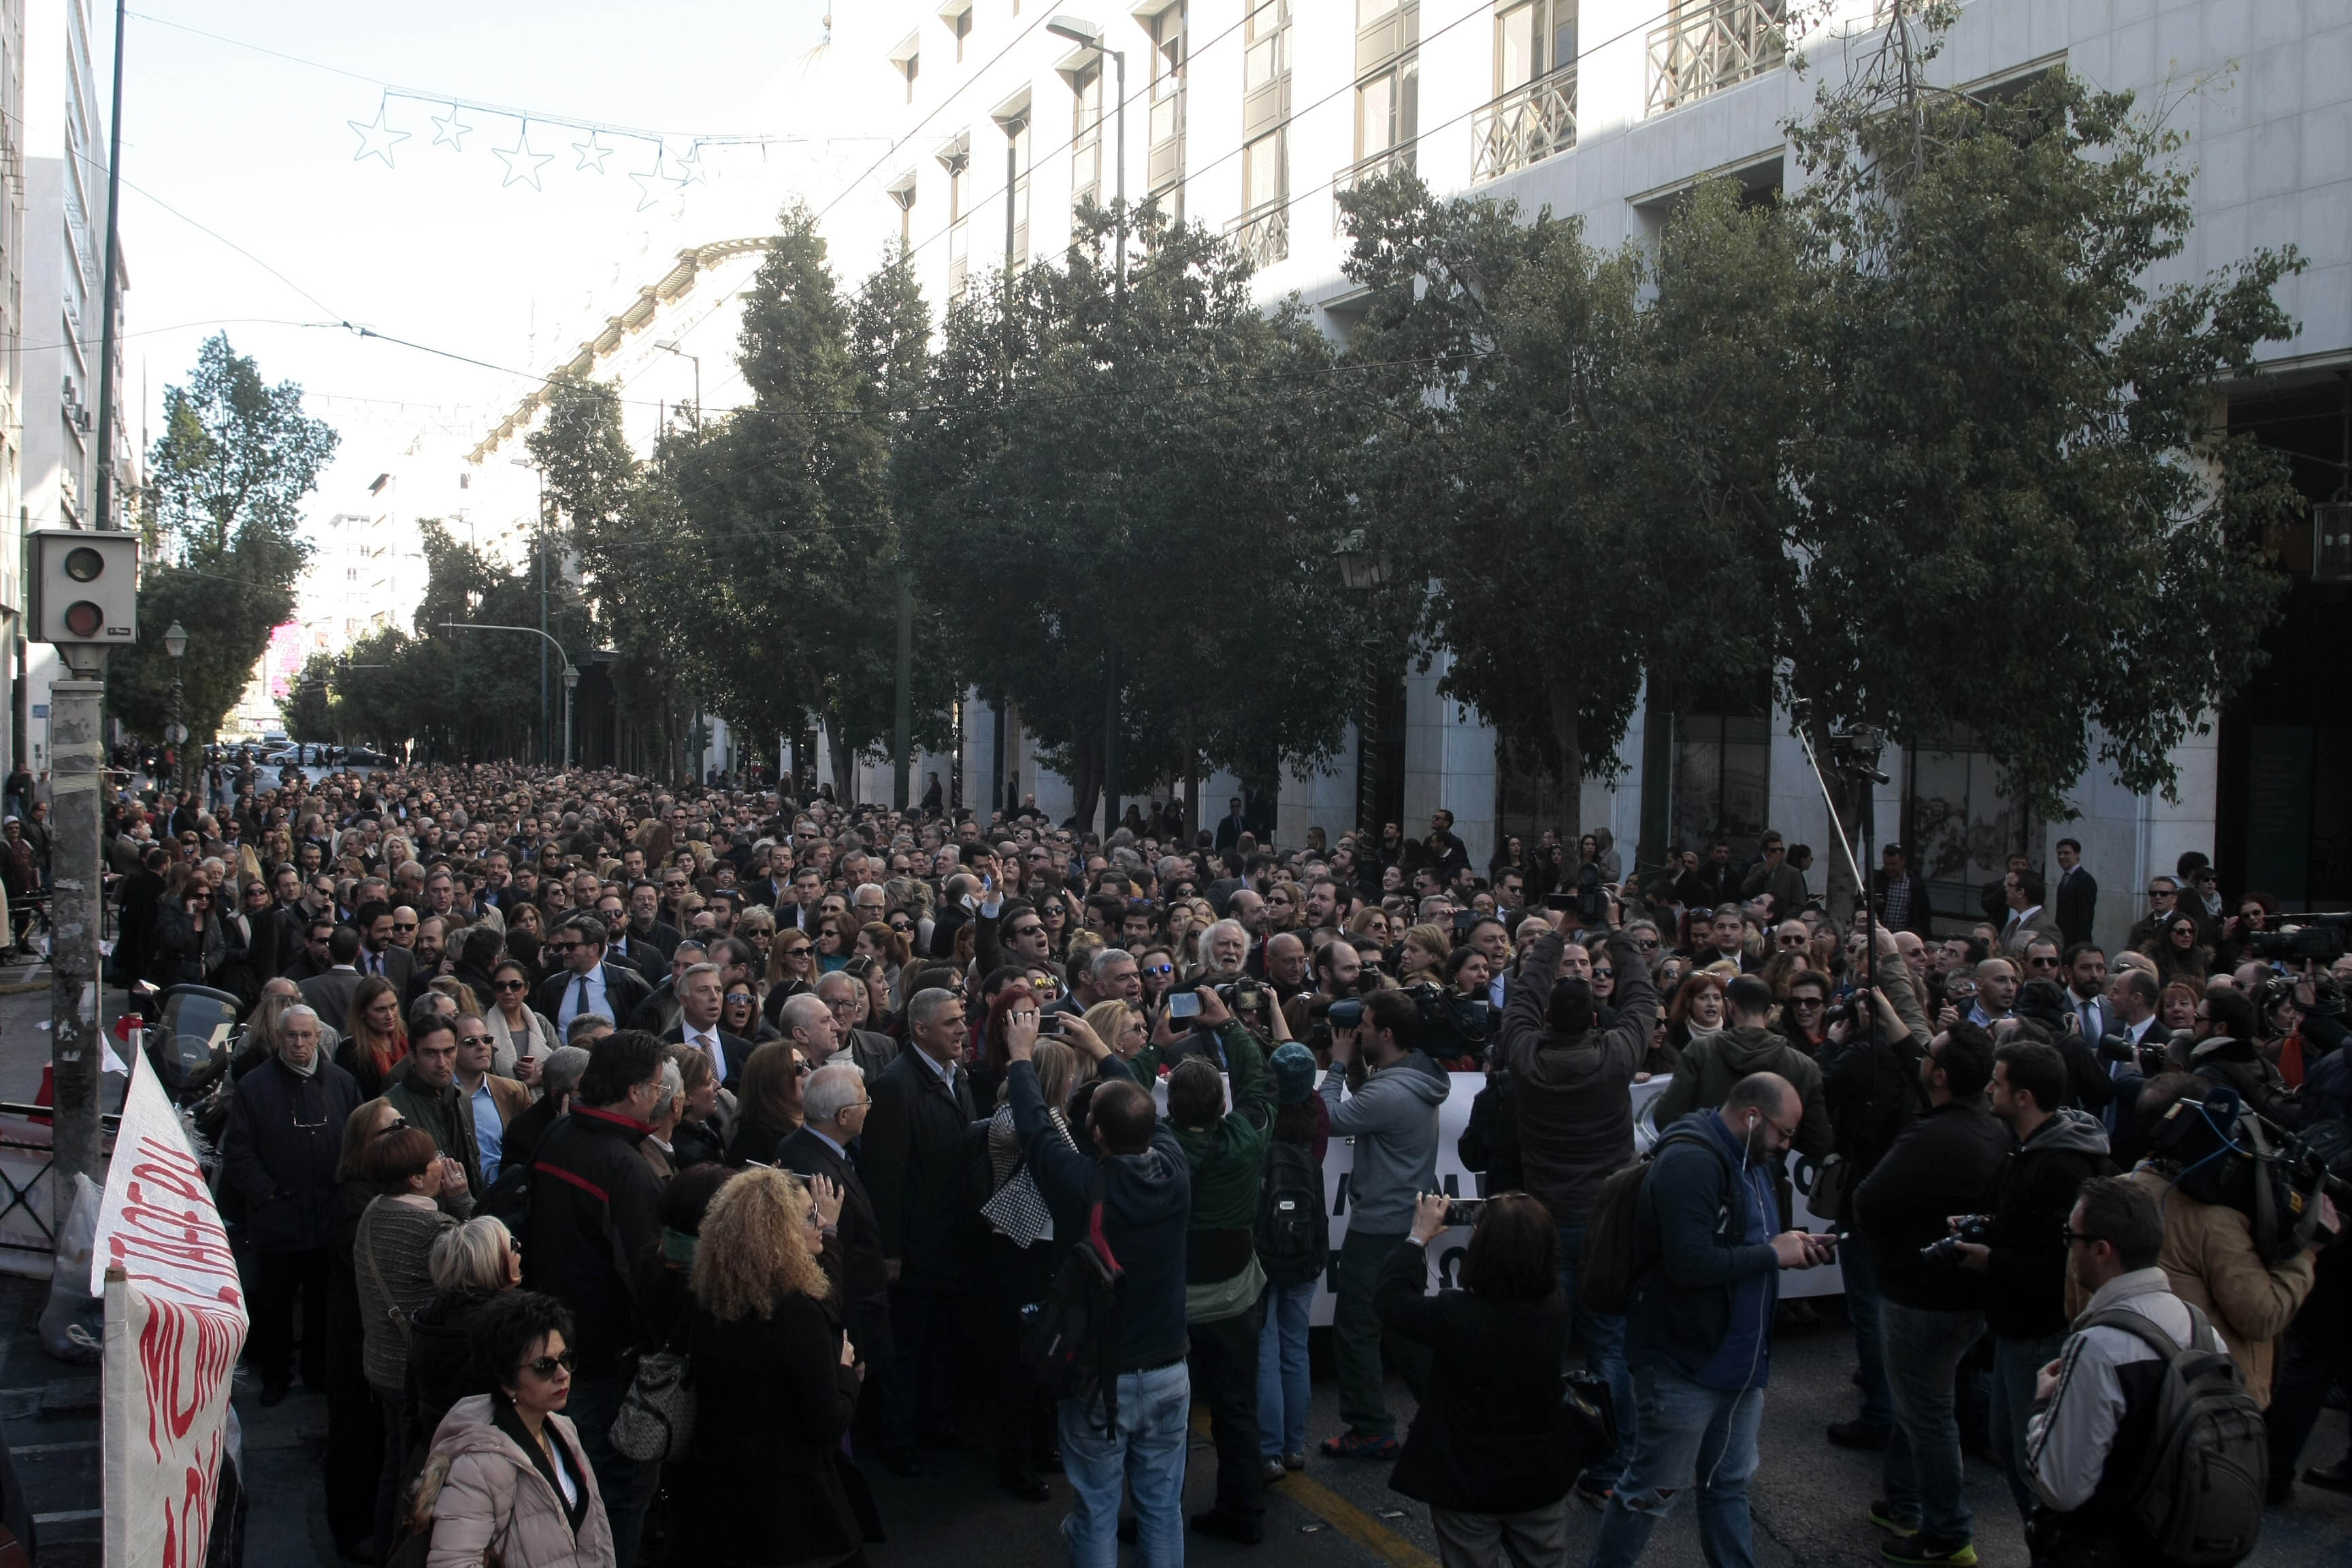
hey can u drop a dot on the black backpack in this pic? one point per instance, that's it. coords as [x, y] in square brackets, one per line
[1606, 1270]
[1069, 1341]
[1294, 1225]
[2199, 1489]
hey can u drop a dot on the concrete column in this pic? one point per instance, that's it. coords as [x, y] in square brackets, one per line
[75, 1044]
[1449, 762]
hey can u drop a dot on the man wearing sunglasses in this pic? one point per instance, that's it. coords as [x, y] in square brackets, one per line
[586, 984]
[285, 1134]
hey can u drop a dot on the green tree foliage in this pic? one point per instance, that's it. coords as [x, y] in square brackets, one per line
[1157, 478]
[307, 710]
[787, 505]
[223, 504]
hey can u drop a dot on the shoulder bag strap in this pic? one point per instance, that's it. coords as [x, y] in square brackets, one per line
[391, 1307]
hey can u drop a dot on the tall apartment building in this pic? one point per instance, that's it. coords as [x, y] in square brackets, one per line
[1250, 116]
[60, 218]
[12, 366]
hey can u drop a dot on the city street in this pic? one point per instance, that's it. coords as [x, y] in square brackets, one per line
[1809, 1497]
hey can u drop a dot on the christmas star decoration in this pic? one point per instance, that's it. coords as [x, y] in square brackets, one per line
[376, 139]
[521, 162]
[593, 152]
[450, 130]
[647, 196]
[689, 168]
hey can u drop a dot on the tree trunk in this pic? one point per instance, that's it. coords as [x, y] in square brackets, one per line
[1192, 794]
[1568, 732]
[1086, 781]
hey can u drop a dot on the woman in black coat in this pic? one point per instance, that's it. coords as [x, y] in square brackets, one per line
[1488, 1451]
[775, 1386]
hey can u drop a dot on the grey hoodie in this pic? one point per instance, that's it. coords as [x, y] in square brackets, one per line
[1393, 1120]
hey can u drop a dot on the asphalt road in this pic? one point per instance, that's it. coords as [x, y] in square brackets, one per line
[1809, 1499]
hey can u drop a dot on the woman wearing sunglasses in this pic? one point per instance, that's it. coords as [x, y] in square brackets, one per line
[768, 1097]
[508, 1481]
[738, 1014]
[791, 972]
[515, 1030]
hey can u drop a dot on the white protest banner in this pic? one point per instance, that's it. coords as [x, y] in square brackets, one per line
[175, 1322]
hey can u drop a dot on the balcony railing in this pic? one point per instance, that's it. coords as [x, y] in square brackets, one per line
[1263, 232]
[1711, 46]
[1363, 172]
[1526, 125]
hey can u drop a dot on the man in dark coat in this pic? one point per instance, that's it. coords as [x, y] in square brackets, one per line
[284, 1134]
[835, 1106]
[914, 1135]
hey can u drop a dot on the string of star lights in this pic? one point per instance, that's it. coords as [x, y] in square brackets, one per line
[677, 160]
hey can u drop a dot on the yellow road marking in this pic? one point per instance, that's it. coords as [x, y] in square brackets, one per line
[1339, 1514]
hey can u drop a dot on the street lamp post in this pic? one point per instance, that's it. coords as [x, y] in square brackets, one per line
[1363, 570]
[570, 685]
[1086, 35]
[175, 643]
[669, 346]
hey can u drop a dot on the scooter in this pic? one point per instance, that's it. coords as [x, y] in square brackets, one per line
[190, 1031]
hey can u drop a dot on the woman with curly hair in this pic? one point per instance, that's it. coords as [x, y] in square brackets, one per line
[776, 1382]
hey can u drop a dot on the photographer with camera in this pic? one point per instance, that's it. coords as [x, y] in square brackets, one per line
[2224, 1052]
[2021, 1257]
[2213, 1253]
[1571, 1080]
[1933, 1310]
[1393, 1120]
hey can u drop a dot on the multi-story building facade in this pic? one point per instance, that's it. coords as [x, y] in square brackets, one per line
[1250, 116]
[55, 336]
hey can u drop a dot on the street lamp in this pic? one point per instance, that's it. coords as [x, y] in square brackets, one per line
[175, 643]
[1363, 570]
[571, 684]
[1085, 34]
[669, 346]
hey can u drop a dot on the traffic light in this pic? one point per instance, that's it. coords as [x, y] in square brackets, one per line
[85, 587]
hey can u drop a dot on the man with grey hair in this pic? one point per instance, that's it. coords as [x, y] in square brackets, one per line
[702, 996]
[834, 1110]
[808, 1023]
[1225, 946]
[585, 1030]
[911, 1159]
[558, 1075]
[869, 903]
[285, 1134]
[844, 997]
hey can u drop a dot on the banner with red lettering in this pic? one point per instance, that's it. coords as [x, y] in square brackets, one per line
[175, 1323]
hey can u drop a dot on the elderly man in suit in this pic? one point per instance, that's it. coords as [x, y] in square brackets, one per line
[834, 1108]
[910, 1157]
[2027, 919]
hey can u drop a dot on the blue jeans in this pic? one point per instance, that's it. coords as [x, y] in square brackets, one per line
[1282, 1394]
[1603, 1334]
[1689, 1434]
[1147, 1456]
[2015, 1363]
[1863, 1305]
[1925, 1475]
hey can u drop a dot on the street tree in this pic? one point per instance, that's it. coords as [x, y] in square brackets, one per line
[223, 506]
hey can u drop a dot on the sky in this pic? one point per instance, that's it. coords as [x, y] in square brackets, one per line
[250, 205]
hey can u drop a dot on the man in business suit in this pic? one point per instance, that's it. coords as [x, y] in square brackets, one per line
[1230, 830]
[914, 1136]
[329, 993]
[701, 997]
[586, 984]
[834, 1107]
[843, 996]
[2027, 919]
[648, 937]
[2077, 894]
[379, 954]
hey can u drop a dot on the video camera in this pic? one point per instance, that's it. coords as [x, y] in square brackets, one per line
[2316, 938]
[2229, 1155]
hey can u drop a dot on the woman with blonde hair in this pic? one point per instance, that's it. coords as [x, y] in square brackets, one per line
[776, 1382]
[1118, 1025]
[1425, 950]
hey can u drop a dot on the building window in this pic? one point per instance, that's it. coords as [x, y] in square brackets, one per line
[1263, 227]
[1533, 114]
[1087, 135]
[1958, 826]
[1723, 781]
[1166, 171]
[1265, 45]
[1387, 106]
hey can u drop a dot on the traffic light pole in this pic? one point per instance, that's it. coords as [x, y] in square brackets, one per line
[76, 1042]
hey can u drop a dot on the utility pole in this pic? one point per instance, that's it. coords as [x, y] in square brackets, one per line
[76, 905]
[105, 486]
[903, 740]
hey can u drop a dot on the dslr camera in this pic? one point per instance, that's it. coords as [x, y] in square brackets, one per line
[1975, 1228]
[1244, 997]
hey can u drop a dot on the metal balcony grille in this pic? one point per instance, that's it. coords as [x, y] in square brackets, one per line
[1707, 48]
[1363, 170]
[1524, 126]
[1263, 232]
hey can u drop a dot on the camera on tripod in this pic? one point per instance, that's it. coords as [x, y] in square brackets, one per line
[1855, 752]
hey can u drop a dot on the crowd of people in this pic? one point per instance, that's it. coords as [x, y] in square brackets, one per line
[551, 1084]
